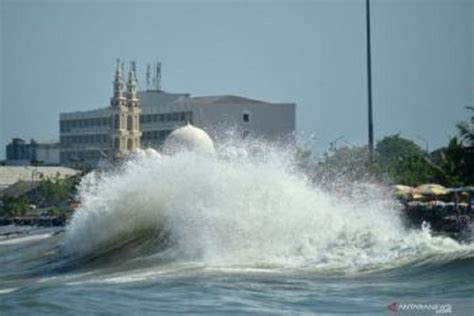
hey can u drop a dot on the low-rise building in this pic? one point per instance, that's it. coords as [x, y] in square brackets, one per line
[19, 152]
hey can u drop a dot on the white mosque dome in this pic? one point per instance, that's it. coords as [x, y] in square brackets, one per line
[188, 138]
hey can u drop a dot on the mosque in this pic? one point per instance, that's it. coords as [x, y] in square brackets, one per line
[140, 119]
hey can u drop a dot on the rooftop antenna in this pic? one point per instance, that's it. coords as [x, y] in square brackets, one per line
[153, 85]
[158, 76]
[148, 75]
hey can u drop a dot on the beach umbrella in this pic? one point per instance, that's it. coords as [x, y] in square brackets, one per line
[461, 191]
[430, 189]
[468, 189]
[402, 191]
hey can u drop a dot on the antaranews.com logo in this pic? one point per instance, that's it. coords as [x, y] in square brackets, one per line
[419, 309]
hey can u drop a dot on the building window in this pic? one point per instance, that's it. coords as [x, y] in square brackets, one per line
[130, 123]
[246, 117]
[117, 121]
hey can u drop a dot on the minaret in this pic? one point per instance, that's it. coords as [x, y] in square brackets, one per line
[125, 131]
[134, 110]
[118, 86]
[132, 85]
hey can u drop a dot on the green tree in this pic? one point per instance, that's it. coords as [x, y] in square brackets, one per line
[448, 164]
[57, 190]
[14, 206]
[466, 129]
[411, 170]
[403, 161]
[347, 164]
[394, 147]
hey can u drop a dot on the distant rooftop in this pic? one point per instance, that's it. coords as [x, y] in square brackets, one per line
[232, 99]
[153, 98]
[85, 113]
[12, 174]
[159, 98]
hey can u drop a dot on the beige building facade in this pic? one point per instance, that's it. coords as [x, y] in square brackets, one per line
[141, 119]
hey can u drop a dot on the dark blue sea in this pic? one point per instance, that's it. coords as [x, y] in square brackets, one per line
[231, 234]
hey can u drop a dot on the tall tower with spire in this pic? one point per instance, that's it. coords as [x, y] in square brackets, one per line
[125, 104]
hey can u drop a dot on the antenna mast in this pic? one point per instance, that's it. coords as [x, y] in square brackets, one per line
[158, 76]
[148, 74]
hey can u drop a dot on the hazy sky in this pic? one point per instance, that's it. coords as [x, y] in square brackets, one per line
[59, 56]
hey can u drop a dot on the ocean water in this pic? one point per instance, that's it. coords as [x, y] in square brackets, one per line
[242, 231]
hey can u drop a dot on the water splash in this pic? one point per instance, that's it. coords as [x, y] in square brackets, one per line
[245, 206]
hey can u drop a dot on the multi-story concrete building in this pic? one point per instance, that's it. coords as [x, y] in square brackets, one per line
[144, 119]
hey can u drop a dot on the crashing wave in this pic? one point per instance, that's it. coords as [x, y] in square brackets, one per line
[242, 207]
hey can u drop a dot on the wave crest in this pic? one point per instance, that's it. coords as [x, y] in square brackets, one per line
[247, 205]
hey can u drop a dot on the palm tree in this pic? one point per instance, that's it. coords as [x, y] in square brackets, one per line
[448, 167]
[466, 129]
